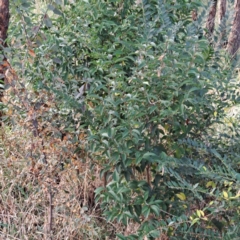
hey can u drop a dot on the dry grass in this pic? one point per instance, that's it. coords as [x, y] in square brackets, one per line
[47, 189]
[48, 201]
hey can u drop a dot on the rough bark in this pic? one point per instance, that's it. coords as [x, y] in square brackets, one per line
[211, 17]
[4, 20]
[222, 13]
[223, 6]
[234, 37]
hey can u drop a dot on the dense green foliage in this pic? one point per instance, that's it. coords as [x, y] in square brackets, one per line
[154, 98]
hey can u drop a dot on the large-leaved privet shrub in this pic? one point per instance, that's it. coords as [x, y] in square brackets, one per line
[157, 90]
[156, 94]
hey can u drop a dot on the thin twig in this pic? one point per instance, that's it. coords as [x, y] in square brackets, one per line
[50, 211]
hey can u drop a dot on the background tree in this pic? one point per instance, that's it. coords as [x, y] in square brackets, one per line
[234, 37]
[4, 22]
[211, 17]
[223, 6]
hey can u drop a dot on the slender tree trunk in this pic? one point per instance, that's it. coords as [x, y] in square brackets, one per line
[4, 20]
[234, 37]
[211, 17]
[223, 6]
[222, 40]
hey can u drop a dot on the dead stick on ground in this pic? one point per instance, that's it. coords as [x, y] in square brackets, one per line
[50, 212]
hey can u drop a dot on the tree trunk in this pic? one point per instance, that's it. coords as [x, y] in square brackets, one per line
[234, 37]
[223, 6]
[222, 41]
[4, 20]
[211, 17]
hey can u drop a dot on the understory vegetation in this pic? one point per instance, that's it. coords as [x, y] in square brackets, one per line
[120, 121]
